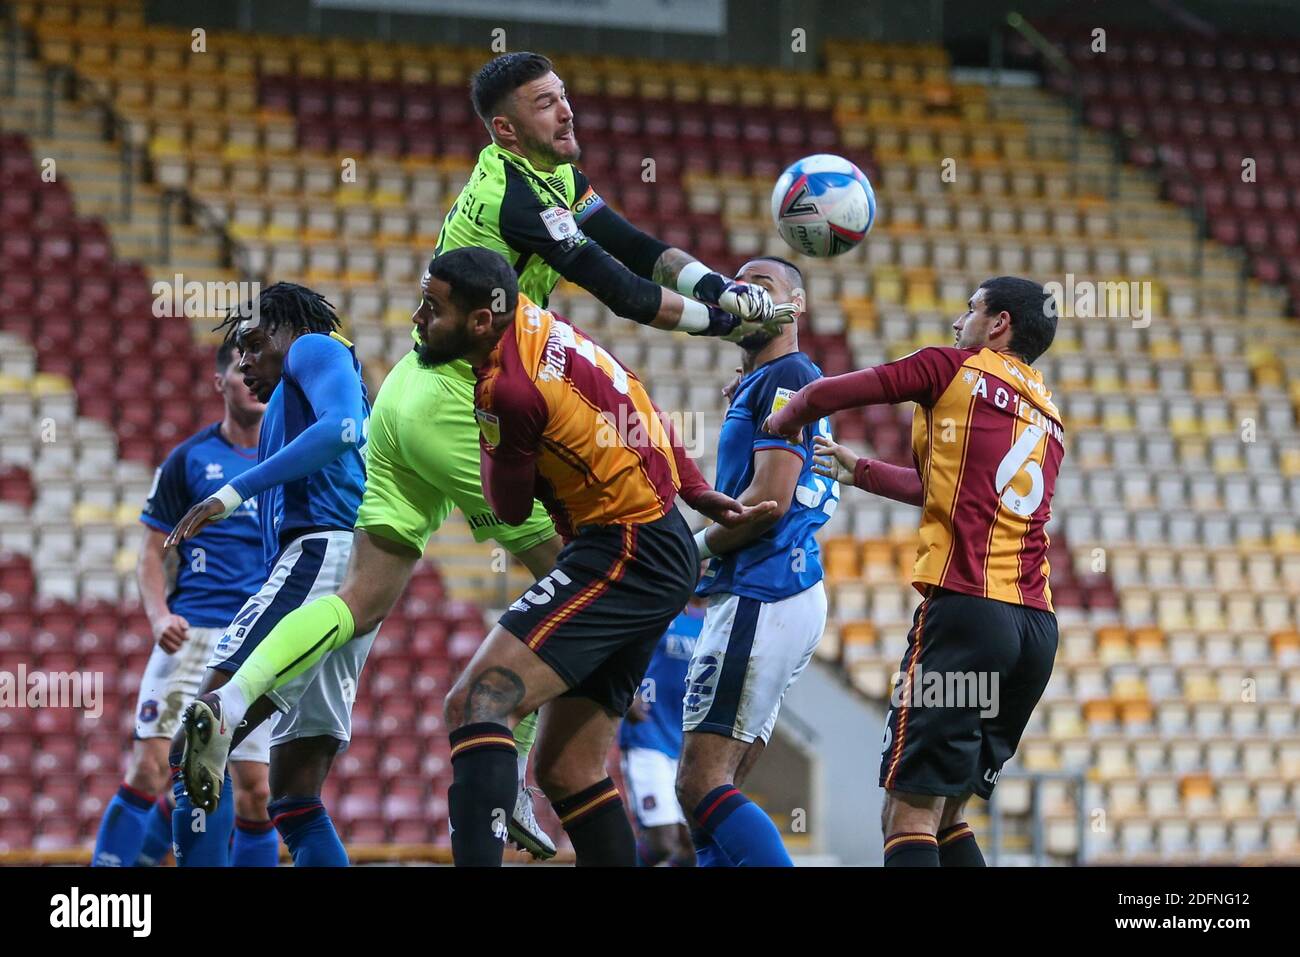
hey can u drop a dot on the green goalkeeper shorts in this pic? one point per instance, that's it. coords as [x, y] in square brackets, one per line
[422, 459]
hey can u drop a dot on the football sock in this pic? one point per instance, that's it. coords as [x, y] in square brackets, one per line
[302, 638]
[157, 834]
[485, 783]
[911, 849]
[256, 844]
[958, 847]
[308, 832]
[199, 839]
[122, 828]
[597, 825]
[707, 852]
[525, 734]
[739, 827]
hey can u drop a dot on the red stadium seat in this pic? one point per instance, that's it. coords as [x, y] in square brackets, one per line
[16, 751]
[404, 801]
[361, 800]
[414, 832]
[360, 760]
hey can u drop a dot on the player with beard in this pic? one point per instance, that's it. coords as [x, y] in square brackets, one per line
[766, 604]
[987, 444]
[527, 201]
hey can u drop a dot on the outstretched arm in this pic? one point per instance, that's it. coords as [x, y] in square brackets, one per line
[921, 377]
[708, 501]
[626, 269]
[824, 397]
[322, 367]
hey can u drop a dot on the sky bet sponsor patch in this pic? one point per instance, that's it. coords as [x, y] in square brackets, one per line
[559, 223]
[781, 399]
[490, 426]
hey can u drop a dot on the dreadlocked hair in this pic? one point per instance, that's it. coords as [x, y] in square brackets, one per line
[281, 304]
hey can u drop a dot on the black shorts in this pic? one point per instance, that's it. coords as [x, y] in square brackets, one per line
[597, 617]
[973, 671]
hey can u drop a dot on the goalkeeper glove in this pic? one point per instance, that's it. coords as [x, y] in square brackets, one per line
[742, 299]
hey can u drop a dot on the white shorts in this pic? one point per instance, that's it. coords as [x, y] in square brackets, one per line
[651, 780]
[748, 655]
[319, 701]
[170, 683]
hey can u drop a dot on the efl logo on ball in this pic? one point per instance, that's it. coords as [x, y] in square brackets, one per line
[823, 205]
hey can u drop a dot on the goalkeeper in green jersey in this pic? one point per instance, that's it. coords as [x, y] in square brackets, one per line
[526, 200]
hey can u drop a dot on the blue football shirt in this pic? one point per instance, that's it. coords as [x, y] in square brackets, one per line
[321, 398]
[221, 565]
[786, 559]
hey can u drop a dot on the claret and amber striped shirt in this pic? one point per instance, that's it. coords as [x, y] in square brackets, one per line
[551, 399]
[987, 441]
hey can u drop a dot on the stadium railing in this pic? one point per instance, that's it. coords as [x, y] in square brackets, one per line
[1038, 853]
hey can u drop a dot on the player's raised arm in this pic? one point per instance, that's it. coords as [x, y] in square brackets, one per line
[920, 377]
[686, 283]
[630, 271]
[527, 199]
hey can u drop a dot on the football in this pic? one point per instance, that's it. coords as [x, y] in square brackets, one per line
[823, 205]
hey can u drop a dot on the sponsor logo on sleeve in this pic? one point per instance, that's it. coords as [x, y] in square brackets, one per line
[781, 399]
[560, 224]
[490, 426]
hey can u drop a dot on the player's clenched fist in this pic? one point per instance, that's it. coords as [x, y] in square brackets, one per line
[774, 425]
[748, 301]
[171, 631]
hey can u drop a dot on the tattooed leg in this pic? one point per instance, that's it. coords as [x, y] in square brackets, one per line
[494, 695]
[504, 682]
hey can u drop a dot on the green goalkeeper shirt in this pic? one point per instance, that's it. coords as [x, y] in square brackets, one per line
[533, 218]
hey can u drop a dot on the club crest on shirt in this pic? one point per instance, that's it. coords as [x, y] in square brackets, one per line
[489, 425]
[781, 399]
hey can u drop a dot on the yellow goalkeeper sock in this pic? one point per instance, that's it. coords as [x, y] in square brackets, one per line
[302, 638]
